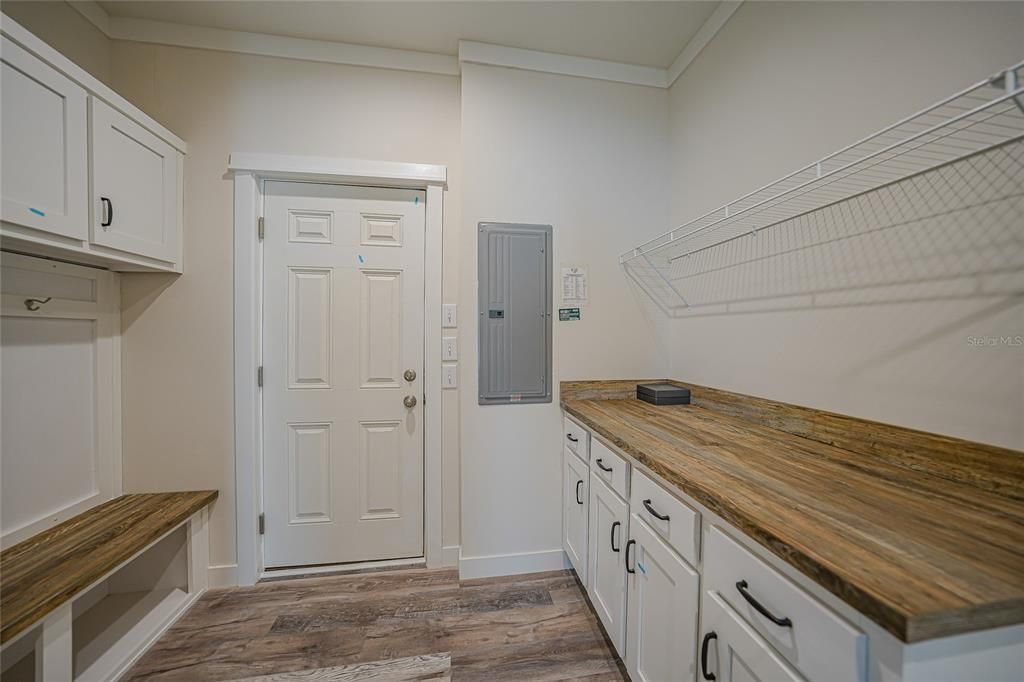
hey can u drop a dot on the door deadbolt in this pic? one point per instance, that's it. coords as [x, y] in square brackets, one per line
[410, 375]
[409, 401]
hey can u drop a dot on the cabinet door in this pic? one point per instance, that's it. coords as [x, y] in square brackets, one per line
[609, 515]
[575, 501]
[46, 184]
[663, 598]
[135, 187]
[732, 651]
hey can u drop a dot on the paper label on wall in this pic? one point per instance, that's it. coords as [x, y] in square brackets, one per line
[574, 284]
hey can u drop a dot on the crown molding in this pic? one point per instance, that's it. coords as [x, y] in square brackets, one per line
[264, 44]
[701, 38]
[565, 65]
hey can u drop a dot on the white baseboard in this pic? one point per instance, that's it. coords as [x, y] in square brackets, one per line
[450, 555]
[512, 564]
[225, 575]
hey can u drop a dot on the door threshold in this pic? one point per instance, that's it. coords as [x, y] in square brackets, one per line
[270, 574]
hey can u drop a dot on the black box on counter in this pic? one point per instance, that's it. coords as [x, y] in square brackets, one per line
[663, 394]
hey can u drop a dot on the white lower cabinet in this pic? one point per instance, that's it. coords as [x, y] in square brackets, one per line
[732, 651]
[663, 594]
[609, 516]
[575, 503]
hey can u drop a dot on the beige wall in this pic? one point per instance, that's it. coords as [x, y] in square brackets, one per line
[67, 31]
[178, 372]
[782, 85]
[589, 158]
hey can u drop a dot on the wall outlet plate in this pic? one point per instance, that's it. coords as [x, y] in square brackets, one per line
[448, 315]
[449, 348]
[449, 375]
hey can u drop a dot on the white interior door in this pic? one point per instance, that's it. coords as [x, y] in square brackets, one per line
[343, 325]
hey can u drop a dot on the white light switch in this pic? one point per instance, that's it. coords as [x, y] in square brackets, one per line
[449, 348]
[448, 317]
[449, 375]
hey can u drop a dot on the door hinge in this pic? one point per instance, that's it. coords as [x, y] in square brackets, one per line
[263, 524]
[260, 229]
[259, 376]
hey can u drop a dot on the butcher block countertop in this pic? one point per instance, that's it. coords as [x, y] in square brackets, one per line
[923, 534]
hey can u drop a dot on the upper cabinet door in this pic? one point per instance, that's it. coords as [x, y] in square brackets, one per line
[135, 187]
[45, 180]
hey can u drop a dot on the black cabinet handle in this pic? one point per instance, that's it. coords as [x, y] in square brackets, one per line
[628, 569]
[578, 484]
[655, 514]
[781, 622]
[614, 526]
[110, 211]
[601, 466]
[572, 438]
[704, 655]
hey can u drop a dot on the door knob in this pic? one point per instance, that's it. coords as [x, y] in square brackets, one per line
[410, 375]
[410, 401]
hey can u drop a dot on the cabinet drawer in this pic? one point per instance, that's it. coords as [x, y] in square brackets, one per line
[681, 530]
[731, 651]
[576, 438]
[610, 468]
[819, 643]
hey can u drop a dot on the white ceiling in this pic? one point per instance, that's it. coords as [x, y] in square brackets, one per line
[644, 33]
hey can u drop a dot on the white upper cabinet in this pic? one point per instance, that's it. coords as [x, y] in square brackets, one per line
[87, 177]
[135, 187]
[45, 180]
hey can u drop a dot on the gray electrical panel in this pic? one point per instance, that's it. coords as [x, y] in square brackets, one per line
[514, 276]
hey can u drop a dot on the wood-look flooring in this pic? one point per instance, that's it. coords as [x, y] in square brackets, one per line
[390, 626]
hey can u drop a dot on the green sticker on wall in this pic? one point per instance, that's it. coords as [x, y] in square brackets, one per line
[568, 314]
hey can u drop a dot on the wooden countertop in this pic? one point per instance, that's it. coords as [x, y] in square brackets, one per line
[39, 574]
[922, 548]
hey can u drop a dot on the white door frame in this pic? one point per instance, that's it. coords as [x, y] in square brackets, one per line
[250, 171]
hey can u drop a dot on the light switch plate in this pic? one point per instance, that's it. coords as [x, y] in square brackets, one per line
[449, 348]
[449, 375]
[448, 317]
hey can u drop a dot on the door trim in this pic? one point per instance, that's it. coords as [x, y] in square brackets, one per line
[249, 172]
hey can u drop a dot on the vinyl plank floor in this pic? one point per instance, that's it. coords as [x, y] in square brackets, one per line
[412, 624]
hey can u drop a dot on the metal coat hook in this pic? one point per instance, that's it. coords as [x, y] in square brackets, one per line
[33, 304]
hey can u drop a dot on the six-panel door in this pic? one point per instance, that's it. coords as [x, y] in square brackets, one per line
[135, 187]
[575, 515]
[609, 515]
[343, 373]
[662, 598]
[45, 178]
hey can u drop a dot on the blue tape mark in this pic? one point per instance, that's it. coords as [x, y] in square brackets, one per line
[361, 259]
[37, 212]
[641, 567]
[416, 200]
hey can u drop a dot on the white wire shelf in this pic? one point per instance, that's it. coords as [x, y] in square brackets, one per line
[931, 206]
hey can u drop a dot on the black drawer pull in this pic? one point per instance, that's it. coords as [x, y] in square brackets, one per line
[573, 438]
[781, 622]
[704, 655]
[655, 514]
[628, 569]
[614, 526]
[601, 466]
[578, 484]
[110, 212]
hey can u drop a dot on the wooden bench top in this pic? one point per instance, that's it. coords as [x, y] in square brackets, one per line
[39, 574]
